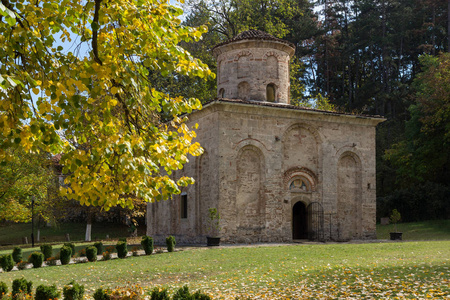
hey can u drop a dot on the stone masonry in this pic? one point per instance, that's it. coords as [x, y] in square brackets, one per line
[274, 171]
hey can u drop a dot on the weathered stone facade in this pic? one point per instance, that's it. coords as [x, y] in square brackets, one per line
[275, 172]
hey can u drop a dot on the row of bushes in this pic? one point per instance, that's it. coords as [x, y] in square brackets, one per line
[68, 250]
[155, 294]
[22, 289]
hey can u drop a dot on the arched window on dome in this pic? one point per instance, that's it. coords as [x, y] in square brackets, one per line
[243, 90]
[270, 92]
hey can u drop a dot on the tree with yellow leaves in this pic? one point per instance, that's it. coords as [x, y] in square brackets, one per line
[99, 110]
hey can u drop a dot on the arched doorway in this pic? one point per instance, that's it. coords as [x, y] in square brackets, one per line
[299, 221]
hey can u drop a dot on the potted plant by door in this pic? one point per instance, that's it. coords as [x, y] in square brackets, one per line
[213, 238]
[395, 218]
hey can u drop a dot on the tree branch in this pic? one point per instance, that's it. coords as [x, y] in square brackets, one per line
[95, 26]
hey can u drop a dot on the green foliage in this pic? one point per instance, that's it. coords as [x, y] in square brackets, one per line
[47, 250]
[147, 244]
[101, 294]
[17, 254]
[213, 221]
[24, 176]
[200, 296]
[423, 155]
[65, 253]
[73, 291]
[184, 294]
[170, 242]
[46, 292]
[99, 246]
[3, 289]
[21, 286]
[428, 201]
[6, 262]
[91, 253]
[72, 246]
[159, 294]
[122, 249]
[36, 258]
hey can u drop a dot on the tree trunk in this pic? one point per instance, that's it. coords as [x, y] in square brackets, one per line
[87, 237]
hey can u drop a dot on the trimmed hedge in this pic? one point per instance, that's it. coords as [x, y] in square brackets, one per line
[21, 286]
[47, 250]
[6, 262]
[99, 246]
[3, 290]
[147, 244]
[17, 254]
[73, 291]
[46, 292]
[36, 258]
[170, 242]
[64, 254]
[91, 253]
[122, 249]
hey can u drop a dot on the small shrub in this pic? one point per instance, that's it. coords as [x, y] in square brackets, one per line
[170, 242]
[3, 289]
[147, 244]
[21, 286]
[99, 246]
[51, 261]
[22, 265]
[159, 294]
[71, 246]
[101, 294]
[36, 258]
[73, 291]
[106, 255]
[46, 292]
[122, 249]
[91, 253]
[47, 250]
[200, 296]
[182, 294]
[17, 254]
[64, 254]
[6, 262]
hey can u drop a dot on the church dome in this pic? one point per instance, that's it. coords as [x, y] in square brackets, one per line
[254, 65]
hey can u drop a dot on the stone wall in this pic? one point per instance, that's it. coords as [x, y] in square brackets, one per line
[261, 160]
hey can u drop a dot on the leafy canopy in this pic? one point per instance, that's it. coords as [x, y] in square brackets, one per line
[120, 137]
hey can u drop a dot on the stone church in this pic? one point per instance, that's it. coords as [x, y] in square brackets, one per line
[274, 171]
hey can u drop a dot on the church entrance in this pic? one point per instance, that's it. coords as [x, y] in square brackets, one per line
[299, 221]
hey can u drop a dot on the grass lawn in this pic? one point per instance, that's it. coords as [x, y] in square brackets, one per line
[301, 271]
[418, 231]
[11, 233]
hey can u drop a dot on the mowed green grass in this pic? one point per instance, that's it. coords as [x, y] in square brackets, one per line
[301, 271]
[12, 233]
[418, 231]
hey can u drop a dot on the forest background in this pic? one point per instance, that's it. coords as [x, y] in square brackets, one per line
[375, 57]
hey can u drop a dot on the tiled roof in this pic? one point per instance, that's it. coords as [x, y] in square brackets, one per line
[288, 106]
[253, 34]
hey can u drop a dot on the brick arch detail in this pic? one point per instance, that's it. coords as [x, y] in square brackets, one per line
[290, 174]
